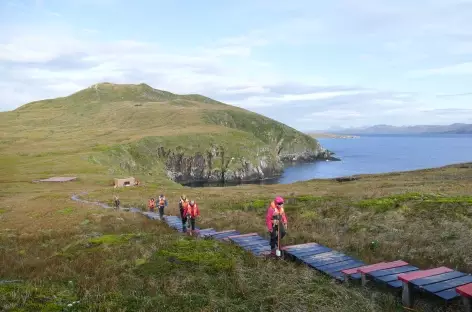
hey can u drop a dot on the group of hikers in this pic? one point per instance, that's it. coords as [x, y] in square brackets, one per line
[188, 211]
[276, 219]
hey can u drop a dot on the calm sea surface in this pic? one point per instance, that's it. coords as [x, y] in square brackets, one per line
[384, 153]
[381, 154]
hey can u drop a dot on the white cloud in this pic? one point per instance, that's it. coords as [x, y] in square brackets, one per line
[62, 63]
[318, 95]
[44, 61]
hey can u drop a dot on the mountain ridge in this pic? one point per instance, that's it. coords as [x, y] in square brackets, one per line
[455, 128]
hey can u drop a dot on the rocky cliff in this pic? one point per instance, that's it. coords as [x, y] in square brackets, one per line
[215, 159]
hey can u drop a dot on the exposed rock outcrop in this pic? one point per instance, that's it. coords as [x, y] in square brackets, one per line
[218, 166]
[215, 163]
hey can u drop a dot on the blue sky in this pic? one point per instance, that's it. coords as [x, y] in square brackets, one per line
[310, 64]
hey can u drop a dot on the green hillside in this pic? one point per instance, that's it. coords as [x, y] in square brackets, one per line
[135, 129]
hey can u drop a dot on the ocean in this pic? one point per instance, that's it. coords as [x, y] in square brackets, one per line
[384, 153]
[377, 154]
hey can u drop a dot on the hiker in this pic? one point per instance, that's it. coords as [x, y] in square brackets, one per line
[162, 205]
[117, 202]
[152, 204]
[275, 214]
[183, 203]
[192, 212]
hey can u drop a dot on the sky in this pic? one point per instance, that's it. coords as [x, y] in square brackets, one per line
[313, 65]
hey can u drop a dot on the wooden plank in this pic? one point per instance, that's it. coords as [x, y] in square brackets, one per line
[225, 233]
[413, 280]
[243, 238]
[395, 284]
[436, 278]
[204, 234]
[328, 254]
[465, 290]
[309, 252]
[383, 266]
[353, 273]
[356, 270]
[302, 250]
[336, 272]
[258, 243]
[299, 246]
[254, 242]
[171, 218]
[447, 294]
[258, 248]
[408, 277]
[399, 270]
[212, 230]
[391, 277]
[451, 283]
[247, 241]
[328, 260]
[259, 251]
[243, 235]
[340, 266]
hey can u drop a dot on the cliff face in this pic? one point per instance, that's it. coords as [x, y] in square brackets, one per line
[216, 161]
[218, 166]
[206, 168]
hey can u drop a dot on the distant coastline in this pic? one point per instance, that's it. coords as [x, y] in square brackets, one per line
[322, 135]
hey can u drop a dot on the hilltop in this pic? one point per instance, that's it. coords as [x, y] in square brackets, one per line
[139, 130]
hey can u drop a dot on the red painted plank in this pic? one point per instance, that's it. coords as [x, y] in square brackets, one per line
[354, 270]
[242, 235]
[407, 277]
[383, 266]
[465, 290]
[306, 245]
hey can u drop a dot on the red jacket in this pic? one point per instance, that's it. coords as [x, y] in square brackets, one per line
[193, 211]
[273, 211]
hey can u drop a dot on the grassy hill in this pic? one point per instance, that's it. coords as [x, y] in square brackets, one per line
[63, 252]
[135, 129]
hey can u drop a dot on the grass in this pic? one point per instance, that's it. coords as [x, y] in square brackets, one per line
[64, 251]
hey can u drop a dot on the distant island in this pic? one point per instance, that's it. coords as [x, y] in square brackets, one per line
[456, 128]
[323, 135]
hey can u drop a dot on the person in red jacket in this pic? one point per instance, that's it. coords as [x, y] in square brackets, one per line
[152, 204]
[276, 221]
[192, 212]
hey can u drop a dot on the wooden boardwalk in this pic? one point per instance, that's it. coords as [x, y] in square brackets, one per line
[442, 282]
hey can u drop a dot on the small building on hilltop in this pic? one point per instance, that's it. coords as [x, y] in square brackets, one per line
[125, 182]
